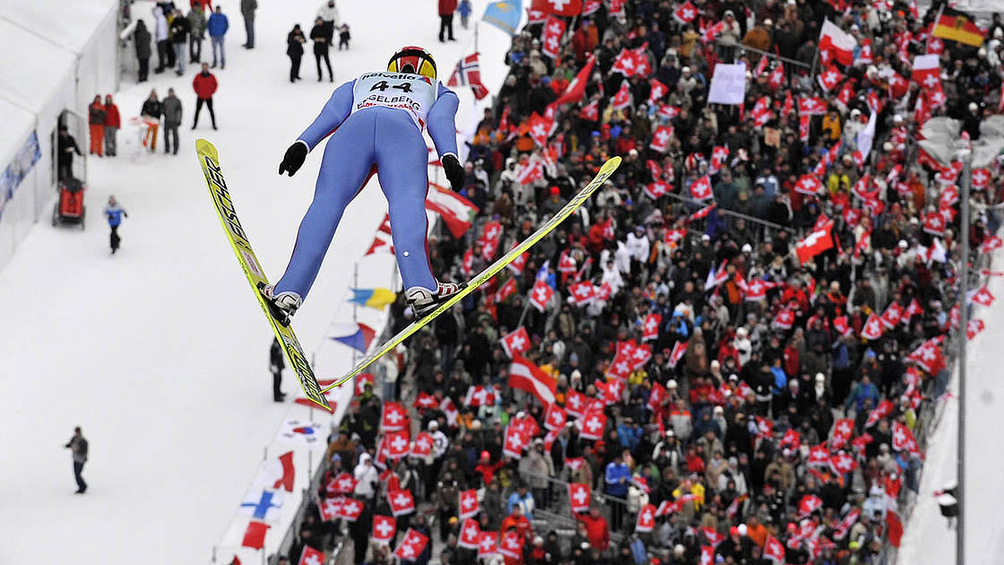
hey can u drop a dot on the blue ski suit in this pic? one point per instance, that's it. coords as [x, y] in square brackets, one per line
[375, 122]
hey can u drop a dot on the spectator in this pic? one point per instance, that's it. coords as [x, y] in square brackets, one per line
[96, 119]
[67, 146]
[446, 9]
[248, 8]
[464, 8]
[328, 13]
[196, 31]
[160, 36]
[616, 480]
[172, 111]
[597, 530]
[112, 124]
[114, 213]
[204, 85]
[141, 40]
[276, 364]
[319, 35]
[179, 37]
[343, 37]
[78, 444]
[294, 48]
[218, 25]
[151, 112]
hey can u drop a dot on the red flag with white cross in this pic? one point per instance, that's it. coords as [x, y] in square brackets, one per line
[579, 496]
[593, 424]
[540, 295]
[411, 546]
[700, 189]
[516, 342]
[646, 519]
[555, 417]
[311, 556]
[488, 544]
[397, 444]
[650, 327]
[468, 504]
[550, 41]
[395, 417]
[401, 502]
[660, 138]
[582, 292]
[384, 528]
[470, 534]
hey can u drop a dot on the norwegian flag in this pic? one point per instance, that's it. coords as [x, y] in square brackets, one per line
[590, 112]
[980, 178]
[719, 155]
[934, 224]
[660, 138]
[819, 456]
[516, 343]
[384, 529]
[667, 112]
[809, 185]
[700, 189]
[555, 417]
[579, 497]
[480, 395]
[470, 533]
[646, 519]
[582, 292]
[401, 502]
[468, 504]
[829, 78]
[991, 244]
[974, 327]
[395, 417]
[685, 13]
[813, 244]
[873, 328]
[468, 72]
[550, 42]
[809, 504]
[342, 484]
[657, 91]
[841, 433]
[426, 400]
[515, 442]
[843, 463]
[593, 424]
[488, 544]
[623, 97]
[784, 319]
[540, 295]
[811, 106]
[983, 297]
[884, 409]
[903, 440]
[422, 447]
[411, 546]
[650, 327]
[929, 356]
[892, 315]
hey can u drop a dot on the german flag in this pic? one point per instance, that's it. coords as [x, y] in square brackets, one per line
[958, 26]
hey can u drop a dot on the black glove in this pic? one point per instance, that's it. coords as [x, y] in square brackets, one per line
[454, 171]
[293, 159]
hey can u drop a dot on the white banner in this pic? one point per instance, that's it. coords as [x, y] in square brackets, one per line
[728, 85]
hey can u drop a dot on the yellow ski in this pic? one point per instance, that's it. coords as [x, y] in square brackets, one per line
[481, 278]
[210, 161]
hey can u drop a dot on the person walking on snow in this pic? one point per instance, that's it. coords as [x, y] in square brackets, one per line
[114, 213]
[204, 85]
[217, 26]
[375, 122]
[112, 124]
[79, 446]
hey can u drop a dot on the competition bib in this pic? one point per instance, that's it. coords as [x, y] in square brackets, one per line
[412, 93]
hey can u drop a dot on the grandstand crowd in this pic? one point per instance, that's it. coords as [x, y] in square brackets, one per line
[735, 377]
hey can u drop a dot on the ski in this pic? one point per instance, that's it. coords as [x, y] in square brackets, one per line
[210, 161]
[605, 173]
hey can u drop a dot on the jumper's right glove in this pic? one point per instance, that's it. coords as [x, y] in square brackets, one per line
[294, 158]
[454, 171]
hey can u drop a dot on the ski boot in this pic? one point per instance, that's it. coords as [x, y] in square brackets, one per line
[424, 301]
[282, 306]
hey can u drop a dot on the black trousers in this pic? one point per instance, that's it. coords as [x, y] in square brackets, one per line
[294, 67]
[78, 468]
[170, 133]
[327, 61]
[144, 69]
[164, 55]
[195, 49]
[114, 240]
[446, 24]
[276, 385]
[198, 108]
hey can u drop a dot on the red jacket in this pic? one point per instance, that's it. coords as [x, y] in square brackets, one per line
[205, 86]
[112, 118]
[447, 7]
[597, 531]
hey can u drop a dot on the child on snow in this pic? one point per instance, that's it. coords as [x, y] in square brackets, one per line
[465, 12]
[343, 36]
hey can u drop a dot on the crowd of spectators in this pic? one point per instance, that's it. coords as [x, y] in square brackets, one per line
[777, 400]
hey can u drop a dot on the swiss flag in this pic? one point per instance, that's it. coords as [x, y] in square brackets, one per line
[590, 112]
[841, 433]
[773, 549]
[349, 510]
[531, 170]
[980, 178]
[718, 156]
[983, 297]
[815, 243]
[361, 381]
[518, 263]
[575, 403]
[555, 417]
[713, 537]
[515, 442]
[395, 417]
[396, 444]
[829, 78]
[646, 519]
[811, 106]
[342, 484]
[934, 224]
[707, 555]
[516, 343]
[650, 327]
[808, 184]
[624, 64]
[540, 295]
[809, 504]
[656, 91]
[656, 397]
[470, 535]
[582, 292]
[784, 319]
[451, 411]
[679, 348]
[903, 440]
[593, 424]
[310, 556]
[843, 463]
[929, 356]
[511, 545]
[384, 528]
[838, 43]
[873, 327]
[667, 112]
[468, 505]
[776, 77]
[577, 88]
[623, 97]
[700, 189]
[926, 71]
[558, 7]
[425, 400]
[686, 13]
[540, 128]
[892, 315]
[329, 508]
[579, 497]
[550, 42]
[641, 66]
[411, 546]
[488, 544]
[656, 190]
[480, 395]
[818, 456]
[422, 447]
[660, 138]
[401, 502]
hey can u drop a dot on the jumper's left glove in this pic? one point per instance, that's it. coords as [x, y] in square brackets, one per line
[294, 158]
[454, 171]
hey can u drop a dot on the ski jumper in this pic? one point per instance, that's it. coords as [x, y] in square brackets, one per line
[375, 123]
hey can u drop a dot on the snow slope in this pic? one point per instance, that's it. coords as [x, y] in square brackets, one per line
[160, 352]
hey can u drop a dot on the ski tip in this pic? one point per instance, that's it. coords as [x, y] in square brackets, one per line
[205, 146]
[611, 165]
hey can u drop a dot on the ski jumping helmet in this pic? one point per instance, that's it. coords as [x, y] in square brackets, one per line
[414, 60]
